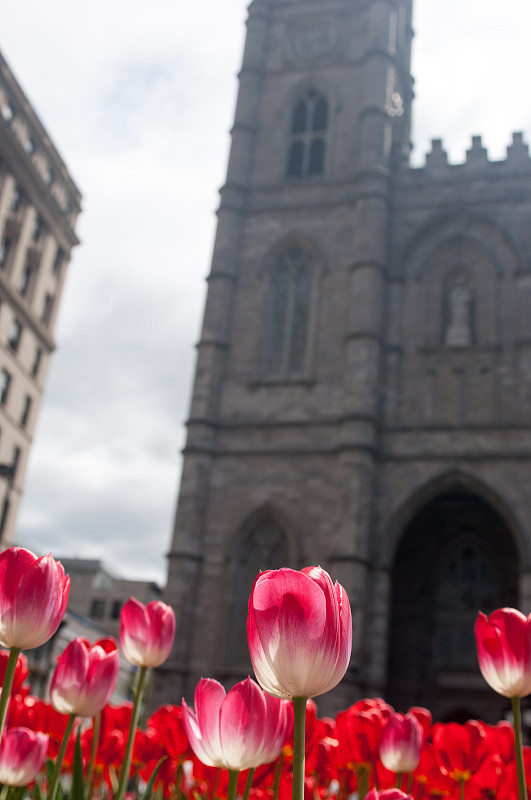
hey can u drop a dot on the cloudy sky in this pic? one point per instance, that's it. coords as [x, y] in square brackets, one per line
[138, 97]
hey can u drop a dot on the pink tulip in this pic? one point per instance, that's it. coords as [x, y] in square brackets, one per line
[387, 794]
[33, 597]
[503, 643]
[401, 743]
[299, 631]
[238, 730]
[146, 632]
[85, 677]
[22, 754]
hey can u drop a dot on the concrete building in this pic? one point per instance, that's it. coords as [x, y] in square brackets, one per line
[39, 205]
[362, 398]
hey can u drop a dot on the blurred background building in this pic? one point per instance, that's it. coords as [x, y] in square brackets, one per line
[39, 205]
[362, 397]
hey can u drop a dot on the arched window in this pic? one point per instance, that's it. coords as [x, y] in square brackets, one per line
[465, 585]
[309, 123]
[288, 311]
[265, 547]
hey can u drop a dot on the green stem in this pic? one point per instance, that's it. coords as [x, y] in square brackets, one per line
[233, 784]
[299, 746]
[248, 784]
[399, 776]
[137, 705]
[60, 757]
[517, 725]
[462, 789]
[96, 726]
[8, 683]
[363, 782]
[278, 773]
[214, 791]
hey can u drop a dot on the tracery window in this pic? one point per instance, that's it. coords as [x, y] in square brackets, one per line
[465, 584]
[265, 547]
[309, 124]
[288, 315]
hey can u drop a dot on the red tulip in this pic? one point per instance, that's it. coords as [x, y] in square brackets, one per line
[22, 754]
[33, 597]
[401, 743]
[85, 677]
[503, 643]
[146, 632]
[299, 631]
[237, 730]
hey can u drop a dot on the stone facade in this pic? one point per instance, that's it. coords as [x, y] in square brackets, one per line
[362, 397]
[39, 206]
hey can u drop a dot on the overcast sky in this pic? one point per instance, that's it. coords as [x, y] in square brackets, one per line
[138, 98]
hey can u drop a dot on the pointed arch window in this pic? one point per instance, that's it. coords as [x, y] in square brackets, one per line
[288, 315]
[309, 125]
[265, 547]
[465, 584]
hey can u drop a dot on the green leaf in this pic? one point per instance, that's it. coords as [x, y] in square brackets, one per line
[149, 788]
[77, 778]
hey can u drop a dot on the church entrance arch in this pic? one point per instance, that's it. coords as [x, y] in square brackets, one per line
[455, 558]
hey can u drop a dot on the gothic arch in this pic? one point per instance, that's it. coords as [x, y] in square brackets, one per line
[499, 244]
[447, 482]
[455, 555]
[264, 541]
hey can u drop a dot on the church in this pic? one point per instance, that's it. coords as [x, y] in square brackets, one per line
[362, 396]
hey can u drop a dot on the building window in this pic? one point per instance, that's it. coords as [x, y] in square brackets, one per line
[288, 312]
[16, 459]
[47, 308]
[4, 516]
[465, 584]
[58, 261]
[26, 408]
[16, 200]
[5, 381]
[309, 123]
[38, 228]
[97, 608]
[36, 362]
[25, 280]
[14, 335]
[5, 248]
[115, 609]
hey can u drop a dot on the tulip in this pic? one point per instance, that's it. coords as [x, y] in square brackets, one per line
[237, 730]
[33, 597]
[146, 632]
[401, 743]
[387, 794]
[299, 631]
[85, 677]
[22, 754]
[503, 643]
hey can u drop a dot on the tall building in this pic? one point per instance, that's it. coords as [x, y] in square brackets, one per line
[39, 205]
[362, 397]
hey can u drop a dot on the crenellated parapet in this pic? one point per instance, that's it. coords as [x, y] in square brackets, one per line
[477, 158]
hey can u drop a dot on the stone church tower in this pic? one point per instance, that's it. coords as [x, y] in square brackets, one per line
[362, 398]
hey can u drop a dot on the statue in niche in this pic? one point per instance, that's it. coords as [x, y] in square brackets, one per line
[459, 328]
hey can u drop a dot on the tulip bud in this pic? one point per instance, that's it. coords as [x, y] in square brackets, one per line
[22, 754]
[401, 743]
[33, 598]
[146, 632]
[299, 631]
[503, 643]
[85, 677]
[237, 730]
